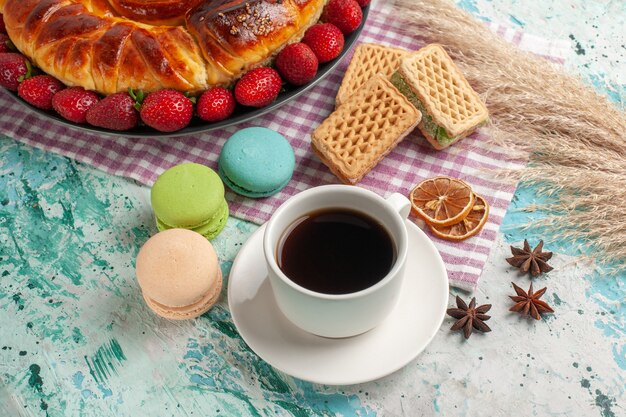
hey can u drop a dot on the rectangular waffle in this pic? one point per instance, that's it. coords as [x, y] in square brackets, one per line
[368, 60]
[451, 109]
[357, 135]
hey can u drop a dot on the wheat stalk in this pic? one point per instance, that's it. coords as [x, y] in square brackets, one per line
[573, 136]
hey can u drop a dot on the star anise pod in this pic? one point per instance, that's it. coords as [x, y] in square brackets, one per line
[529, 303]
[534, 260]
[469, 317]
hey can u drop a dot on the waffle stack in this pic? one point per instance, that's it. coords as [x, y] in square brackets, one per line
[356, 136]
[385, 94]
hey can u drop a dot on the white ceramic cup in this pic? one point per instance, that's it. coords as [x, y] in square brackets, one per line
[338, 315]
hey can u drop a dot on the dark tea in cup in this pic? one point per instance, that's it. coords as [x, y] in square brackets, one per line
[336, 251]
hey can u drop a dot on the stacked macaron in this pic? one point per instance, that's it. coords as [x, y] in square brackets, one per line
[190, 196]
[256, 162]
[179, 274]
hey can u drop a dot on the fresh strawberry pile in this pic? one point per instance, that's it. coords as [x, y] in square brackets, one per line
[169, 110]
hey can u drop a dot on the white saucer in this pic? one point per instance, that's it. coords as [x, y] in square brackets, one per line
[399, 339]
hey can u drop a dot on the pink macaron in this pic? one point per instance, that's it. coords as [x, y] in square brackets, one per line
[179, 274]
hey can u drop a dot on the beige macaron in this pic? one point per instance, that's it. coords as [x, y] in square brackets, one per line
[179, 274]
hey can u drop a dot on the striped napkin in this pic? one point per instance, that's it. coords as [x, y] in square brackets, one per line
[412, 161]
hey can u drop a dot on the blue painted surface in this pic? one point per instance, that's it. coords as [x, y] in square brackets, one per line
[76, 338]
[80, 331]
[470, 6]
[516, 21]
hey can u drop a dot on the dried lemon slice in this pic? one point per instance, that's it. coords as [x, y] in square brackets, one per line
[442, 201]
[469, 226]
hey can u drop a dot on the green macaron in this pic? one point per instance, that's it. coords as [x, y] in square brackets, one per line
[190, 196]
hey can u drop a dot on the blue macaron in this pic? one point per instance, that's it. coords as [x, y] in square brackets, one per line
[256, 162]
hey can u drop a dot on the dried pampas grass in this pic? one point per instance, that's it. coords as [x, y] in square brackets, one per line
[574, 137]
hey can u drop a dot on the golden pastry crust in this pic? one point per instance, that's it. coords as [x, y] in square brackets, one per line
[109, 46]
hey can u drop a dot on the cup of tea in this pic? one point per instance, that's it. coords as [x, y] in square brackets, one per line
[335, 256]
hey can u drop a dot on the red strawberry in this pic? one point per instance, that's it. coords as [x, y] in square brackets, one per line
[3, 28]
[259, 87]
[345, 14]
[363, 3]
[297, 63]
[115, 112]
[73, 103]
[39, 90]
[325, 40]
[4, 43]
[216, 104]
[166, 110]
[14, 67]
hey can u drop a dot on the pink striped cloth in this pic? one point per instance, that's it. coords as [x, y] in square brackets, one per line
[412, 161]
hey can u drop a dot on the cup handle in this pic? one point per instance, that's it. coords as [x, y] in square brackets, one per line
[400, 203]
